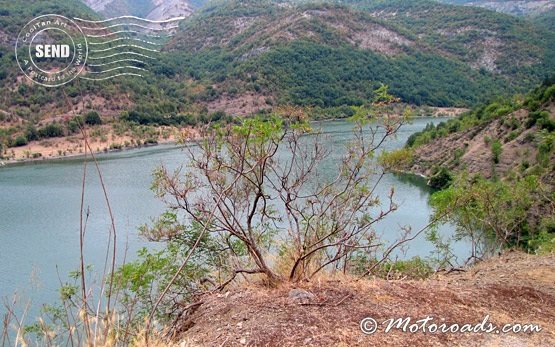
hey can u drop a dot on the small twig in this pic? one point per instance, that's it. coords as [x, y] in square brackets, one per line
[323, 303]
[344, 298]
[187, 307]
[225, 341]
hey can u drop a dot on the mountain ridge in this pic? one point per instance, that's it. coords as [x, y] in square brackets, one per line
[148, 9]
[517, 8]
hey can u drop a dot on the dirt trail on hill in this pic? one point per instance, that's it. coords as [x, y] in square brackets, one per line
[513, 288]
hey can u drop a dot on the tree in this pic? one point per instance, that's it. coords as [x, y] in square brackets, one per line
[258, 188]
[31, 133]
[492, 214]
[51, 130]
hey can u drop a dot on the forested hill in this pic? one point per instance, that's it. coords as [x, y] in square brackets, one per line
[244, 56]
[328, 55]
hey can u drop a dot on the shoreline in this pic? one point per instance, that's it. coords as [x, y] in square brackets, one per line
[53, 156]
[101, 139]
[16, 162]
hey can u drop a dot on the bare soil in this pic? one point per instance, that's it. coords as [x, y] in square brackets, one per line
[240, 105]
[475, 146]
[69, 146]
[513, 288]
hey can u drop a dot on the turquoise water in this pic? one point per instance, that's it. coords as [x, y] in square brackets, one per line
[40, 202]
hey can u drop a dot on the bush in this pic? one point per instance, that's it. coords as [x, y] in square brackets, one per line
[93, 118]
[72, 126]
[496, 150]
[512, 135]
[20, 141]
[51, 130]
[537, 117]
[187, 119]
[31, 133]
[491, 213]
[547, 124]
[441, 179]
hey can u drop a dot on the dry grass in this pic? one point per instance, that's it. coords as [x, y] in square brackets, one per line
[256, 316]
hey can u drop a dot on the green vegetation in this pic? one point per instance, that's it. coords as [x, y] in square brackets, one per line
[495, 214]
[305, 74]
[51, 130]
[496, 149]
[509, 210]
[441, 179]
[93, 118]
[481, 115]
[546, 20]
[20, 141]
[319, 65]
[144, 117]
[15, 14]
[144, 278]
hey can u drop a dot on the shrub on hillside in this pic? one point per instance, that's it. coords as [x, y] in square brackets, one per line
[20, 141]
[51, 130]
[93, 118]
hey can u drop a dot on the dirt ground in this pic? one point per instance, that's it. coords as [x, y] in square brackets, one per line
[513, 288]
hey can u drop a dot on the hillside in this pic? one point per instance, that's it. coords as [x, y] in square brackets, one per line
[494, 166]
[513, 288]
[481, 38]
[522, 128]
[546, 20]
[326, 55]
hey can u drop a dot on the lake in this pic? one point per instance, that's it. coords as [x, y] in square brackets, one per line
[40, 203]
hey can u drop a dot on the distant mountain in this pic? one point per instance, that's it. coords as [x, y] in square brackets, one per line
[332, 55]
[517, 8]
[150, 9]
[244, 56]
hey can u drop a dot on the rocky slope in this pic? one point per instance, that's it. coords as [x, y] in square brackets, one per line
[470, 149]
[507, 141]
[149, 9]
[520, 139]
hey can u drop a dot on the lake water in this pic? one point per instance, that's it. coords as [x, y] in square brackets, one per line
[40, 202]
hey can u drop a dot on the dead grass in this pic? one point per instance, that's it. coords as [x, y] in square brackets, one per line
[509, 289]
